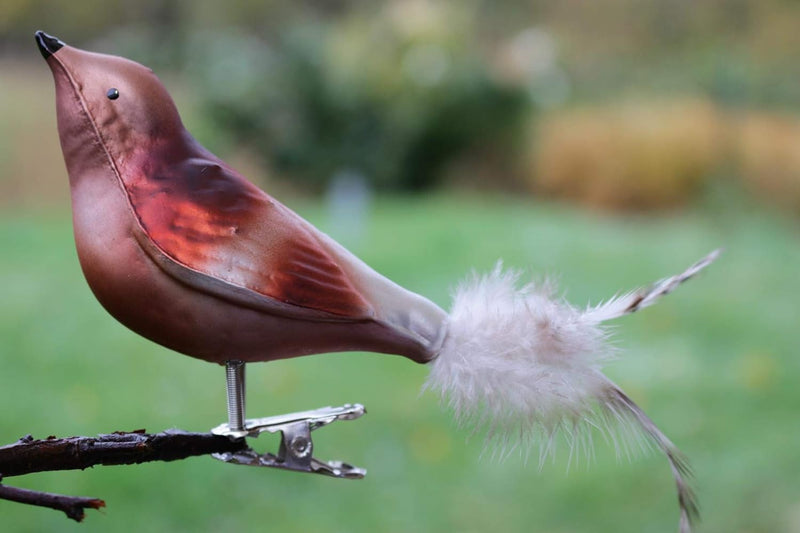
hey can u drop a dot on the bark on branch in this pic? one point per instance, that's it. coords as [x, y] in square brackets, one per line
[29, 455]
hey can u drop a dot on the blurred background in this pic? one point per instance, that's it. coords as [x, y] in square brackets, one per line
[609, 144]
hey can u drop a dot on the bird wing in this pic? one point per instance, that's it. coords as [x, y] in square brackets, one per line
[212, 229]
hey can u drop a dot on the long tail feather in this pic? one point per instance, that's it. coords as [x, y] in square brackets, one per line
[639, 299]
[618, 401]
[519, 362]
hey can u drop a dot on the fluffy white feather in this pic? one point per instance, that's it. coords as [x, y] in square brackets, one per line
[519, 362]
[516, 356]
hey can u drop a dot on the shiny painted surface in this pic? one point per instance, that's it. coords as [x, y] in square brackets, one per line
[206, 217]
[183, 250]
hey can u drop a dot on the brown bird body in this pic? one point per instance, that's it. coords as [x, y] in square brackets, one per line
[185, 251]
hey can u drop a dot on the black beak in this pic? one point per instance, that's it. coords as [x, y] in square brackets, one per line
[48, 45]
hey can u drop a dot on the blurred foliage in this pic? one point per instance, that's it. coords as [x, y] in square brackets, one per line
[657, 154]
[413, 93]
[392, 97]
[632, 155]
[768, 154]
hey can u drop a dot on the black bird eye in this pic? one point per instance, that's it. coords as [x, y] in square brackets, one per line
[113, 93]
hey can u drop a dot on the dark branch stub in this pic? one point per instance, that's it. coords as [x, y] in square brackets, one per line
[29, 455]
[73, 506]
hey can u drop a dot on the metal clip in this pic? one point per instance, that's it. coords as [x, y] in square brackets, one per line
[296, 449]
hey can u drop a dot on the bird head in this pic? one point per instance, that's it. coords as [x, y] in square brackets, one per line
[122, 103]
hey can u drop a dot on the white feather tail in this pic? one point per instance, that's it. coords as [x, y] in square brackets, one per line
[518, 361]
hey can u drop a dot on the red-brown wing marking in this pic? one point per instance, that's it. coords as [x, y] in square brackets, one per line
[213, 222]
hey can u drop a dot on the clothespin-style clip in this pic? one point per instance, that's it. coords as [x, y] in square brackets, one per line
[296, 448]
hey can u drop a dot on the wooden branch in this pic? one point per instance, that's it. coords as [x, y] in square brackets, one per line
[73, 506]
[29, 455]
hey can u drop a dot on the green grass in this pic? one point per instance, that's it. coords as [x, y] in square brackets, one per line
[715, 365]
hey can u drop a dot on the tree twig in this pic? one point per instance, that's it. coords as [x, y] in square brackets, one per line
[73, 506]
[29, 455]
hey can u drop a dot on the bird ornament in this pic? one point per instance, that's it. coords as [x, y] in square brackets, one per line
[185, 251]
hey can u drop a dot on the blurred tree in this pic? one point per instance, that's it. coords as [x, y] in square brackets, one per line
[392, 95]
[403, 92]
